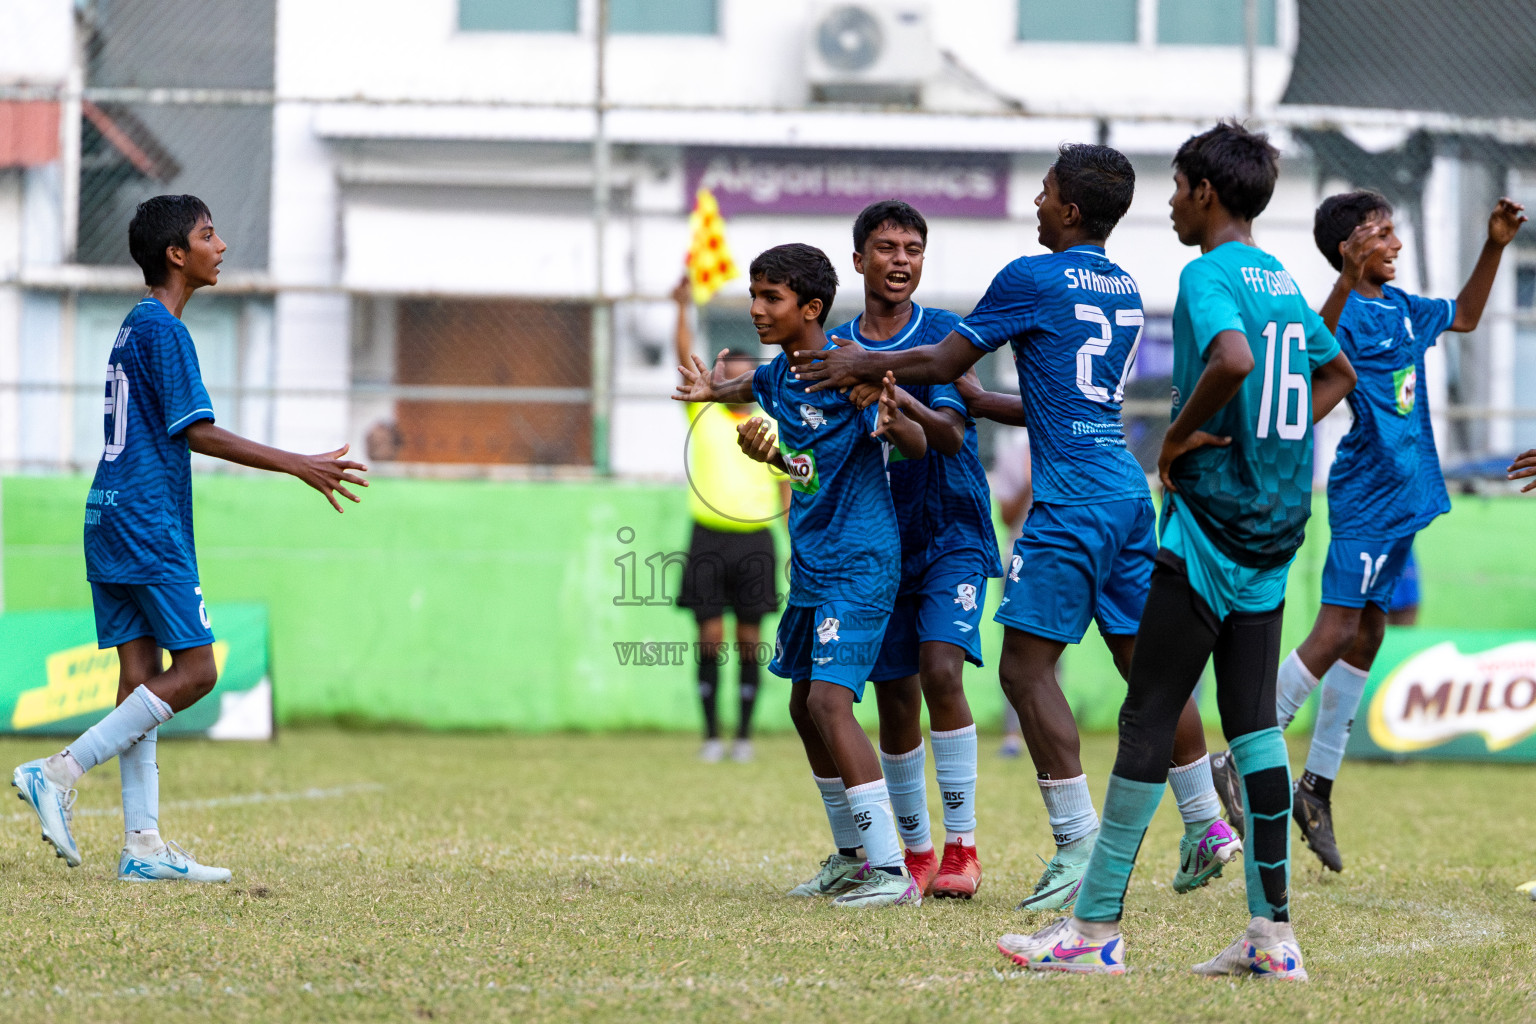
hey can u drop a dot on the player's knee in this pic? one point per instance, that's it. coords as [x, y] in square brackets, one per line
[825, 703]
[799, 708]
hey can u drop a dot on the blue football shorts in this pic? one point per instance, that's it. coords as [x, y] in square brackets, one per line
[834, 642]
[1361, 571]
[1074, 564]
[945, 606]
[172, 613]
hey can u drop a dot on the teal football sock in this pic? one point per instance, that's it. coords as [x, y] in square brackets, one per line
[906, 781]
[954, 761]
[1128, 810]
[1261, 760]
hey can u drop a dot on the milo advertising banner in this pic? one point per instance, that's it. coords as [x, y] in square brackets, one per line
[1455, 695]
[54, 681]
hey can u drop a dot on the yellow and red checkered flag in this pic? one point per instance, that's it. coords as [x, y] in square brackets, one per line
[709, 256]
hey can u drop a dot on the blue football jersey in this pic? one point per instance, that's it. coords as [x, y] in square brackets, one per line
[1253, 497]
[844, 544]
[138, 516]
[1074, 319]
[943, 503]
[1386, 481]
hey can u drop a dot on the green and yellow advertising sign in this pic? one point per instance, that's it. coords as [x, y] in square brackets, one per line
[55, 682]
[1456, 695]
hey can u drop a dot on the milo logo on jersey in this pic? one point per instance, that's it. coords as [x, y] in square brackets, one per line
[802, 470]
[1405, 385]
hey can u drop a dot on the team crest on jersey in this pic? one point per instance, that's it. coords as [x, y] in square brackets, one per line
[802, 470]
[1405, 384]
[965, 596]
[1177, 398]
[827, 631]
[1014, 567]
[811, 416]
[1408, 323]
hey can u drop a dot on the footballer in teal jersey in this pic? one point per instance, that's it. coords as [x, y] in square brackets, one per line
[1253, 367]
[1385, 483]
[845, 554]
[1073, 319]
[140, 558]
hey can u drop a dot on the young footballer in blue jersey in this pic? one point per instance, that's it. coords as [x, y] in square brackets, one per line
[1073, 319]
[948, 552]
[845, 550]
[139, 553]
[1253, 368]
[1384, 486]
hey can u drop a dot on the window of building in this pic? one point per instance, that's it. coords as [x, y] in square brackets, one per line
[518, 15]
[1051, 21]
[1211, 22]
[674, 17]
[493, 381]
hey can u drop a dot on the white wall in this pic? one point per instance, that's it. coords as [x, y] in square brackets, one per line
[414, 49]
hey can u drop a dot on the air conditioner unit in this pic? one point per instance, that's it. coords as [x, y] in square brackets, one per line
[871, 52]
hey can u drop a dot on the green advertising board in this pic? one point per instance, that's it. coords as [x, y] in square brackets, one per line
[55, 682]
[1450, 694]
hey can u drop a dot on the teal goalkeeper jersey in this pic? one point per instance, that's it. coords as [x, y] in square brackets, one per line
[1253, 497]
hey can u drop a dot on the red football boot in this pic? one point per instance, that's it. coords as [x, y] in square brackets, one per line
[959, 873]
[922, 867]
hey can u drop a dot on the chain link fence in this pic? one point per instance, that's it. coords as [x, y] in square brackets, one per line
[1433, 103]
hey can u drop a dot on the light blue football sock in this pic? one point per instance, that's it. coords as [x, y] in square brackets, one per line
[1069, 808]
[141, 785]
[1195, 791]
[1262, 762]
[1128, 810]
[1293, 686]
[954, 761]
[1343, 686]
[906, 779]
[123, 726]
[871, 806]
[834, 797]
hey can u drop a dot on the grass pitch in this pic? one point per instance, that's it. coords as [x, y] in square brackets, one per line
[482, 877]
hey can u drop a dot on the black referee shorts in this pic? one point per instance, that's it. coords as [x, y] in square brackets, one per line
[738, 571]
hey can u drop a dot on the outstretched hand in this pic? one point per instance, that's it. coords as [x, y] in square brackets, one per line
[697, 385]
[329, 475]
[1504, 223]
[839, 367]
[1171, 450]
[1523, 466]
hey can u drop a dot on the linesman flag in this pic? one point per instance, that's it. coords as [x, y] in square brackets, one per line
[709, 256]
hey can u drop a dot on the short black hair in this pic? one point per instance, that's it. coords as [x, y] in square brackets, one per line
[158, 224]
[1338, 216]
[1240, 165]
[1099, 181]
[887, 211]
[805, 269]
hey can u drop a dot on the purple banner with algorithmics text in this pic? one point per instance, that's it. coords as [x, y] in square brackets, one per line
[809, 181]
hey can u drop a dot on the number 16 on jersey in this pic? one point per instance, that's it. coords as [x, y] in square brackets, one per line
[1290, 384]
